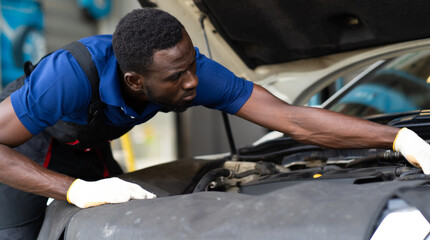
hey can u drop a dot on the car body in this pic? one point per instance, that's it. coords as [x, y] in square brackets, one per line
[279, 188]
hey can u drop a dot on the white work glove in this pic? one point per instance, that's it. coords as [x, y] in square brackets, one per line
[413, 148]
[110, 190]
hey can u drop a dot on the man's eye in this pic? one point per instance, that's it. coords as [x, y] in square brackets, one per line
[175, 76]
[193, 64]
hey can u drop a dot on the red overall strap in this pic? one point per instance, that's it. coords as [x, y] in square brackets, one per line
[48, 155]
[105, 169]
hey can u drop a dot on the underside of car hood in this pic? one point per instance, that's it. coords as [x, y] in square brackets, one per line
[276, 31]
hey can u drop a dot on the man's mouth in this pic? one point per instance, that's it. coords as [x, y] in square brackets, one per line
[190, 96]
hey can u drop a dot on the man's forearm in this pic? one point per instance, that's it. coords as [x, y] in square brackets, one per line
[18, 171]
[330, 129]
[314, 125]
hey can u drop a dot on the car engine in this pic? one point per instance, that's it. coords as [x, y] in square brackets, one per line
[283, 162]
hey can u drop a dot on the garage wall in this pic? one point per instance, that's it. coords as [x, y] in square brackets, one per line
[65, 22]
[206, 134]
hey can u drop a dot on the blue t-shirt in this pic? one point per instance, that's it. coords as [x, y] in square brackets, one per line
[58, 89]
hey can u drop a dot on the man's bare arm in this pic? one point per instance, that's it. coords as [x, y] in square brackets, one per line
[17, 170]
[313, 125]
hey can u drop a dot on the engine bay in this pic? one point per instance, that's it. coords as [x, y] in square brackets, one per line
[351, 166]
[284, 162]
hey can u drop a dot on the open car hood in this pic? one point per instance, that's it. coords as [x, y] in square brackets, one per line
[277, 31]
[280, 44]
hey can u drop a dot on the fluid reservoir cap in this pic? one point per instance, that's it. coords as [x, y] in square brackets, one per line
[317, 175]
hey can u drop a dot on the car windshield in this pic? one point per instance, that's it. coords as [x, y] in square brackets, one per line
[398, 85]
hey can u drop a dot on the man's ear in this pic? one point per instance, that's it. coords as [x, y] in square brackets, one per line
[134, 80]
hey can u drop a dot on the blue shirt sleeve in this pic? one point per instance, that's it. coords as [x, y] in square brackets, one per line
[219, 88]
[56, 88]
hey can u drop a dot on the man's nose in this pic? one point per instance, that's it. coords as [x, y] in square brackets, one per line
[191, 81]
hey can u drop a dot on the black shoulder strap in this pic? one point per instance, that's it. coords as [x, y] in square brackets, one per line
[83, 57]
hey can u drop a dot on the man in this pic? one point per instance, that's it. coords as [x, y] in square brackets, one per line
[148, 65]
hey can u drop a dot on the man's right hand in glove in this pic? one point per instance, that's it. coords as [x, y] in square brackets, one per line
[413, 148]
[110, 190]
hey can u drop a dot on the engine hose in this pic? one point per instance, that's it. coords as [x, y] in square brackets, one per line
[360, 161]
[244, 174]
[209, 177]
[388, 155]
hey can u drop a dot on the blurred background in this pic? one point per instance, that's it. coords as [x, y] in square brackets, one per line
[30, 29]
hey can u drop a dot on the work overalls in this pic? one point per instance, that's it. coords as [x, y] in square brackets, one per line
[80, 151]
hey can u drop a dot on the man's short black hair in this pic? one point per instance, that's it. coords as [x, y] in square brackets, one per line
[142, 32]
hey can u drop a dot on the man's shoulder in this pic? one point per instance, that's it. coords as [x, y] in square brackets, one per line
[99, 45]
[97, 39]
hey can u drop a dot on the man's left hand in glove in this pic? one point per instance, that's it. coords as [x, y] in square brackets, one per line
[110, 190]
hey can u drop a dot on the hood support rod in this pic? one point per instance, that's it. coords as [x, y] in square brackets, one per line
[233, 149]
